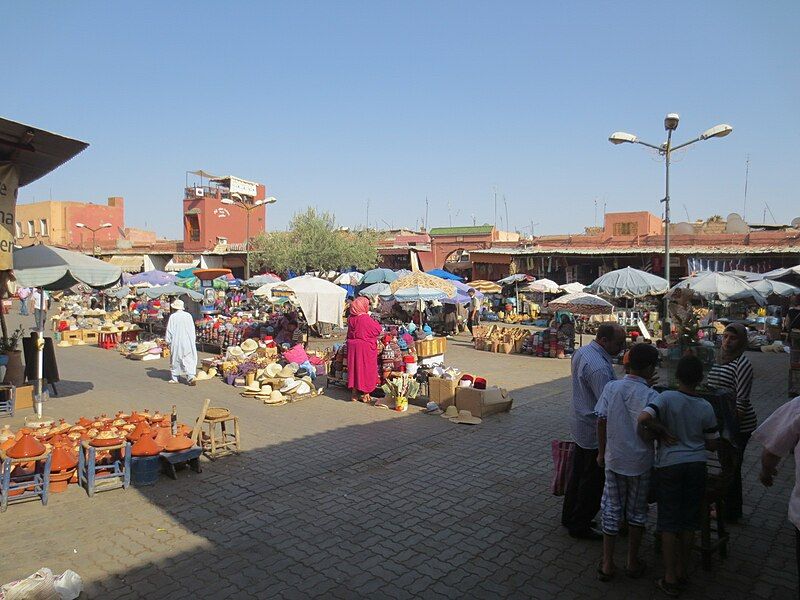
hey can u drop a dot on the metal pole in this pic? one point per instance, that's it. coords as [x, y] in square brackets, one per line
[247, 246]
[667, 151]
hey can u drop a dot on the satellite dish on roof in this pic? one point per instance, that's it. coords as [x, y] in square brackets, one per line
[736, 225]
[734, 217]
[683, 228]
[796, 222]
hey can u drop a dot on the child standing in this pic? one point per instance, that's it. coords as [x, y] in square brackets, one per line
[627, 459]
[685, 427]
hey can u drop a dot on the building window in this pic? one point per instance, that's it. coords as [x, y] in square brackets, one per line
[43, 227]
[19, 229]
[629, 228]
[31, 229]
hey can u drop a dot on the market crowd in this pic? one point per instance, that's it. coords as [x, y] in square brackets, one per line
[635, 446]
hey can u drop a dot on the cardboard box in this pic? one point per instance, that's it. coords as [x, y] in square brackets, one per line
[482, 403]
[442, 391]
[24, 397]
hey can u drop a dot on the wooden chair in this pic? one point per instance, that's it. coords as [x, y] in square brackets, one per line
[718, 481]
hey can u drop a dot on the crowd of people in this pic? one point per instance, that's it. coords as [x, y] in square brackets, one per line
[635, 446]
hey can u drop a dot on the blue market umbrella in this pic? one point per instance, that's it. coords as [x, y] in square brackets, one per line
[445, 275]
[378, 276]
[462, 294]
[376, 289]
[152, 278]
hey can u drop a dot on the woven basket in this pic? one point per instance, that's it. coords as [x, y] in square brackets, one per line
[217, 412]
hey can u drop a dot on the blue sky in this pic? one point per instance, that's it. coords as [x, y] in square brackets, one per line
[333, 103]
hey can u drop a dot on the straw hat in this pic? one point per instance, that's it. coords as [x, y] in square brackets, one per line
[289, 370]
[272, 370]
[432, 408]
[249, 346]
[465, 418]
[275, 398]
[302, 389]
[177, 304]
[289, 384]
[451, 412]
[205, 375]
[253, 387]
[235, 352]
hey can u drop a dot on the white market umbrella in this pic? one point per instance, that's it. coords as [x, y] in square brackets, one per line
[768, 287]
[265, 291]
[351, 278]
[171, 289]
[321, 300]
[417, 293]
[545, 286]
[56, 269]
[790, 274]
[628, 283]
[573, 288]
[712, 286]
[258, 280]
[582, 303]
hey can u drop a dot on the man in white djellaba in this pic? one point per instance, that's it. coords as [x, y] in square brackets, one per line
[181, 339]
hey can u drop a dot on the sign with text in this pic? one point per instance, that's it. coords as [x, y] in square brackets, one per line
[245, 188]
[9, 181]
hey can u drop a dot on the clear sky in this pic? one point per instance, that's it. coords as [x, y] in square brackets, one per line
[334, 103]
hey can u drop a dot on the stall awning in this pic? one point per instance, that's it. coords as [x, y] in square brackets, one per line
[180, 264]
[128, 263]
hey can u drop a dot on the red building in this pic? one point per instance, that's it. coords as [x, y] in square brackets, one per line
[208, 222]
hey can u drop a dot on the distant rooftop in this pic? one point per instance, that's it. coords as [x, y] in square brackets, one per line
[473, 230]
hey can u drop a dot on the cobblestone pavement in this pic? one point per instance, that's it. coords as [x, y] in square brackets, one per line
[333, 499]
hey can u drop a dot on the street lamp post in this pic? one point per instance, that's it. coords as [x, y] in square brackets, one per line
[666, 149]
[238, 200]
[94, 231]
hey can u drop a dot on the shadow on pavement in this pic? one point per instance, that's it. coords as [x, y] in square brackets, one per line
[66, 388]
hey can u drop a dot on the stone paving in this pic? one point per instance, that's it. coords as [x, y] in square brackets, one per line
[333, 499]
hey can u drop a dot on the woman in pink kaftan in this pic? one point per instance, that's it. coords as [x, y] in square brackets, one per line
[362, 350]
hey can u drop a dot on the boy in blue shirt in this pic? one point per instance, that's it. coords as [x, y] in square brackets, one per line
[685, 427]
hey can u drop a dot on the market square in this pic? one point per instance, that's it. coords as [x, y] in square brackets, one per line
[400, 300]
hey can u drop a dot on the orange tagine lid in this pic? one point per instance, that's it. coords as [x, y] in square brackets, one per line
[177, 443]
[62, 460]
[145, 446]
[142, 429]
[26, 447]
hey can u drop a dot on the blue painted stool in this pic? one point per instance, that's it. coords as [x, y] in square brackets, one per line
[190, 456]
[8, 394]
[35, 485]
[101, 478]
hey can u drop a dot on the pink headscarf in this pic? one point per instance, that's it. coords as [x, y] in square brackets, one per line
[359, 306]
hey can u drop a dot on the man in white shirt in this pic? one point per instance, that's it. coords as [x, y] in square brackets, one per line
[627, 458]
[780, 435]
[40, 299]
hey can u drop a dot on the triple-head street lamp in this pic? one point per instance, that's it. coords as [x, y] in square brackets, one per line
[237, 200]
[670, 124]
[94, 230]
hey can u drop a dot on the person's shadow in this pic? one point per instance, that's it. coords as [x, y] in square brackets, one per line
[156, 373]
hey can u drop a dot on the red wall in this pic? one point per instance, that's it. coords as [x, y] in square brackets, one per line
[92, 215]
[220, 220]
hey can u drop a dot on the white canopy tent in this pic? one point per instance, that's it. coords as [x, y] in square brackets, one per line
[321, 301]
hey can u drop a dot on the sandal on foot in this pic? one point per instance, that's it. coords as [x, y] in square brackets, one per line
[670, 589]
[602, 575]
[638, 571]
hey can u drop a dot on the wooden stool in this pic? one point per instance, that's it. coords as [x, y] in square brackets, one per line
[107, 340]
[132, 335]
[190, 457]
[220, 443]
[717, 485]
[8, 398]
[19, 488]
[100, 478]
[90, 336]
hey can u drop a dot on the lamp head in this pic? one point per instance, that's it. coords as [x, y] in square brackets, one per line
[227, 201]
[236, 196]
[671, 121]
[620, 137]
[81, 225]
[270, 200]
[105, 225]
[716, 131]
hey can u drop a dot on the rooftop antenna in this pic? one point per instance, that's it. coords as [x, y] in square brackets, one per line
[746, 176]
[426, 213]
[508, 223]
[473, 219]
[686, 210]
[367, 213]
[595, 212]
[494, 193]
[449, 213]
[767, 208]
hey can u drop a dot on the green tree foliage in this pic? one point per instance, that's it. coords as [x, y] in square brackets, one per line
[314, 243]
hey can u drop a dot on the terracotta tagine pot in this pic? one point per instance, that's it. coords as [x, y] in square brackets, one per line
[15, 369]
[142, 429]
[136, 418]
[162, 436]
[26, 447]
[177, 443]
[63, 465]
[145, 446]
[184, 429]
[84, 422]
[6, 445]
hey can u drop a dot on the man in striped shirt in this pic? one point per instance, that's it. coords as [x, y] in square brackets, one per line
[591, 371]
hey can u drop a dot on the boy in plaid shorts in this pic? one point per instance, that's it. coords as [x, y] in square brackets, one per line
[627, 459]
